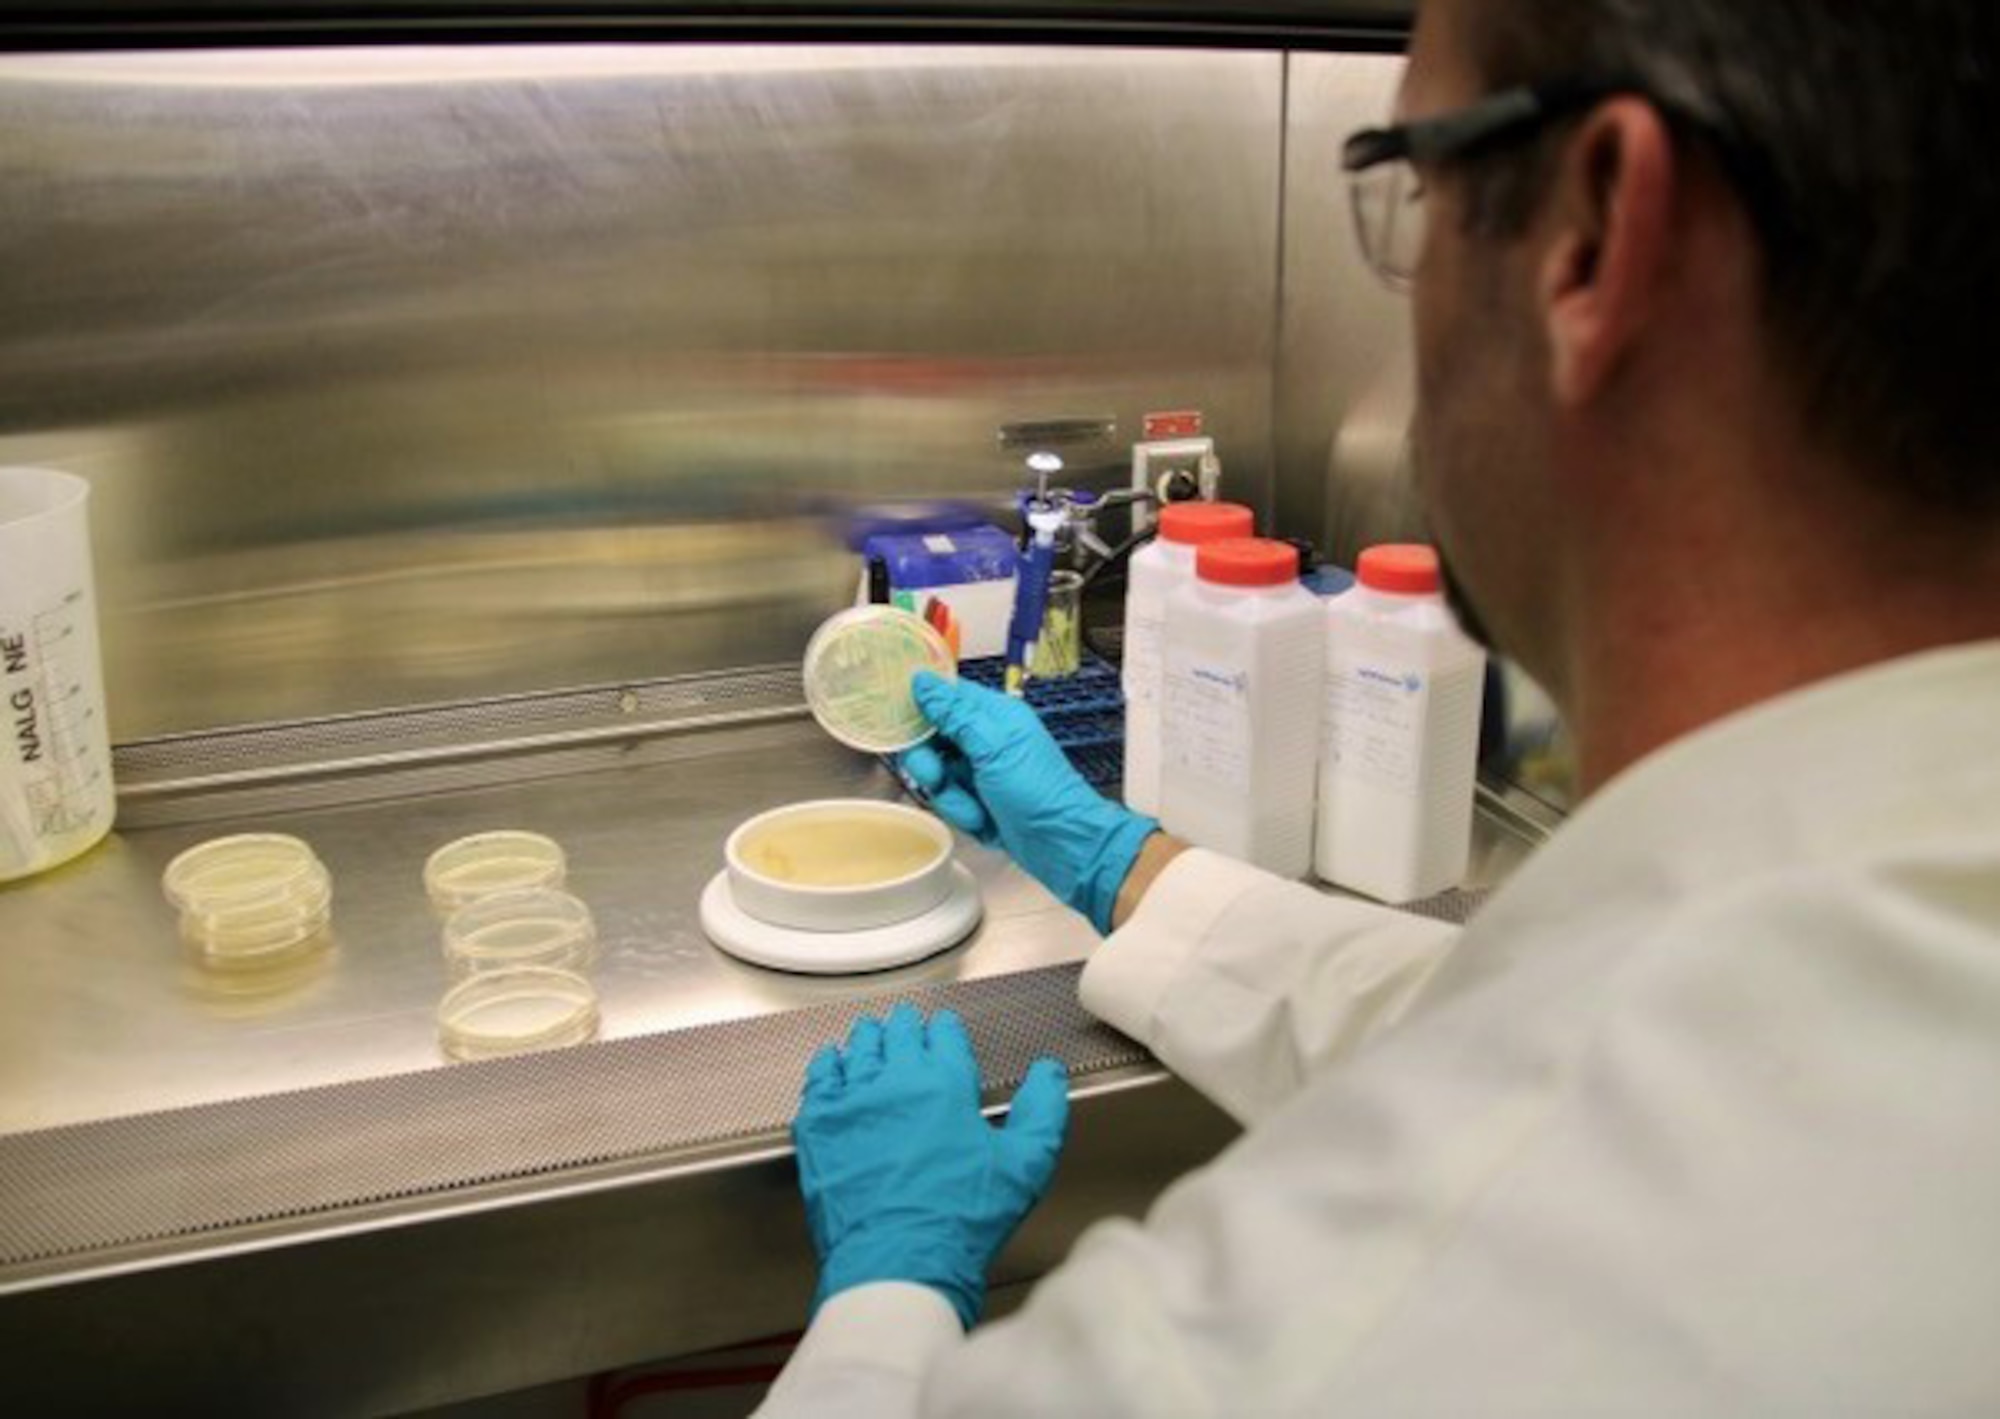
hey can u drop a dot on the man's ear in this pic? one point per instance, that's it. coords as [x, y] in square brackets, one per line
[1609, 211]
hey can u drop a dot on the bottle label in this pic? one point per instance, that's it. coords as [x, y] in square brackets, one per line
[1373, 726]
[1142, 659]
[1207, 711]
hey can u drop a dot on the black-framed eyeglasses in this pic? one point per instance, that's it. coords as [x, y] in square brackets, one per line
[1383, 184]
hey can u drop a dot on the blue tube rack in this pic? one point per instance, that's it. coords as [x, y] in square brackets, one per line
[1085, 713]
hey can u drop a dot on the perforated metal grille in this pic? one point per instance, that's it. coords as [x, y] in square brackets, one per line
[1456, 905]
[153, 1178]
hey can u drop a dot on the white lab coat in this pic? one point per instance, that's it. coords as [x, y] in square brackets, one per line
[1701, 1115]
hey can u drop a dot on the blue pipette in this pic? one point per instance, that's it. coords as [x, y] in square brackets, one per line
[1045, 518]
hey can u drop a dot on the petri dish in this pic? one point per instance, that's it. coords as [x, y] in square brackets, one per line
[497, 1013]
[858, 669]
[461, 872]
[241, 868]
[255, 930]
[233, 991]
[250, 901]
[255, 948]
[532, 927]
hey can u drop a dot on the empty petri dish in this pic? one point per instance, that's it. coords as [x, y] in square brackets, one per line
[242, 867]
[506, 1012]
[246, 914]
[255, 945]
[533, 927]
[310, 898]
[858, 669]
[246, 991]
[461, 872]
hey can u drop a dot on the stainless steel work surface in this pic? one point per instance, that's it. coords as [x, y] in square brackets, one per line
[102, 1014]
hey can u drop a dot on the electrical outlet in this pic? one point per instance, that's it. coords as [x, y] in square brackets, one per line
[1172, 470]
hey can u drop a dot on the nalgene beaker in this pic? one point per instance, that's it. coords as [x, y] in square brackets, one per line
[56, 794]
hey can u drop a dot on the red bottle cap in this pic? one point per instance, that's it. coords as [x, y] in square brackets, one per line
[1247, 561]
[1402, 568]
[1191, 524]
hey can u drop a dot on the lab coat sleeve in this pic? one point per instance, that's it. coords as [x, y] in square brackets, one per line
[1246, 984]
[865, 1354]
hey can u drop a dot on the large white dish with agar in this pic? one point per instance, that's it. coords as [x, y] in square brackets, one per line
[839, 886]
[839, 864]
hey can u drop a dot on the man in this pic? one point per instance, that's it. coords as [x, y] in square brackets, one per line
[1698, 1115]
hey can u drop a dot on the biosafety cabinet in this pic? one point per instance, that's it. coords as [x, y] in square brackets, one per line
[466, 399]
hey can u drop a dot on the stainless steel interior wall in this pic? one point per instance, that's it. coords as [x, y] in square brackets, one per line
[413, 375]
[1345, 376]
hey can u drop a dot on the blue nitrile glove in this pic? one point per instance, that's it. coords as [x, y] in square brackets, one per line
[1004, 780]
[904, 1179]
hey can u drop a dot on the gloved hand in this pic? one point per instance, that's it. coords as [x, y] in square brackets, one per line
[1003, 779]
[904, 1179]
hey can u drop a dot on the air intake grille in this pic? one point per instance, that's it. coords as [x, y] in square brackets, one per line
[155, 1178]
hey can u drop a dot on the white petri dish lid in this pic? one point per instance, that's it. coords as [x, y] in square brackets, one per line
[498, 1013]
[535, 926]
[244, 868]
[858, 670]
[461, 872]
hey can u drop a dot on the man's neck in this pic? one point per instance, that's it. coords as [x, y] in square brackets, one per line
[1664, 648]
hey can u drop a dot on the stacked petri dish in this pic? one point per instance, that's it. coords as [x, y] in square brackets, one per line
[518, 947]
[515, 1011]
[462, 872]
[533, 926]
[250, 902]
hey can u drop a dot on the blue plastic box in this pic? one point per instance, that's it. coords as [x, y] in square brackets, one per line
[972, 570]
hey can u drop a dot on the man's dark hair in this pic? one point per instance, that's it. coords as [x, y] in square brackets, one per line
[1861, 137]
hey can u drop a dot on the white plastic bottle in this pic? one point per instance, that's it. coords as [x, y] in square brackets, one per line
[1240, 706]
[1159, 569]
[1400, 747]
